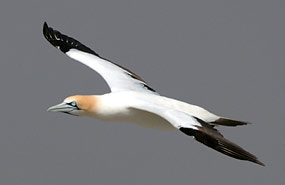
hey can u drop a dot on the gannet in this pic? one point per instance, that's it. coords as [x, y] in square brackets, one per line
[132, 100]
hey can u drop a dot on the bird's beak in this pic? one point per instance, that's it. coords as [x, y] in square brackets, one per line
[62, 107]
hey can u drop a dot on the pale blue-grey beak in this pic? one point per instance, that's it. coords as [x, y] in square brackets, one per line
[62, 107]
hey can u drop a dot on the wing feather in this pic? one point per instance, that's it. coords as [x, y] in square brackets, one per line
[117, 77]
[200, 130]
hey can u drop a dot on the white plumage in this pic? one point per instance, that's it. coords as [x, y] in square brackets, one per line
[132, 100]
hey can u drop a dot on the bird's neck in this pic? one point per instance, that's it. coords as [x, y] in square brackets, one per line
[108, 107]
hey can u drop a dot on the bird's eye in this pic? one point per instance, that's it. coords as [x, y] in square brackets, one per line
[73, 103]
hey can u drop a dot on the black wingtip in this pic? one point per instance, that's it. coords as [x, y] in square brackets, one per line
[258, 162]
[216, 141]
[212, 138]
[45, 25]
[63, 42]
[45, 29]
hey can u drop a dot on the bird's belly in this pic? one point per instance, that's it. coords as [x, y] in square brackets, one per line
[139, 117]
[150, 120]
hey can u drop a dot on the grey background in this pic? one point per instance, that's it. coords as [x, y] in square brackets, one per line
[226, 56]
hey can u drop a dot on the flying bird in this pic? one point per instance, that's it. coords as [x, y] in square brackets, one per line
[132, 100]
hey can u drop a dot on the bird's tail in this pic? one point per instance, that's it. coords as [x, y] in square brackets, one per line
[228, 122]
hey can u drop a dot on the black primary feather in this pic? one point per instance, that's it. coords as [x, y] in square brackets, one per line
[212, 138]
[63, 42]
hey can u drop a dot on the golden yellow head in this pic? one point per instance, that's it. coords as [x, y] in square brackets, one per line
[76, 105]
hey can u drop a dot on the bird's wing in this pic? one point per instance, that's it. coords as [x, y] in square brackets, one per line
[117, 77]
[200, 130]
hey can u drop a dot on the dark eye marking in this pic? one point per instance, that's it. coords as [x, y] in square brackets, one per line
[73, 104]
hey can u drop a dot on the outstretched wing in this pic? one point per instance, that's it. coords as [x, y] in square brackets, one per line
[200, 130]
[118, 78]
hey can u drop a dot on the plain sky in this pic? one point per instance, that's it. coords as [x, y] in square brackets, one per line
[226, 56]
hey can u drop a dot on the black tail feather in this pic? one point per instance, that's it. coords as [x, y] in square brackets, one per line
[228, 122]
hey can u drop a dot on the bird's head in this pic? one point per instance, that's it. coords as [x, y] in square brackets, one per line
[79, 105]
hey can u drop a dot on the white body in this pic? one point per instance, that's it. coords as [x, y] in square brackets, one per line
[132, 100]
[118, 107]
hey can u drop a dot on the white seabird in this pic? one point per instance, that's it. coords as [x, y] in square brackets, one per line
[132, 100]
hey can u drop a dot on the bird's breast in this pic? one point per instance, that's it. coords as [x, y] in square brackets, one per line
[117, 109]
